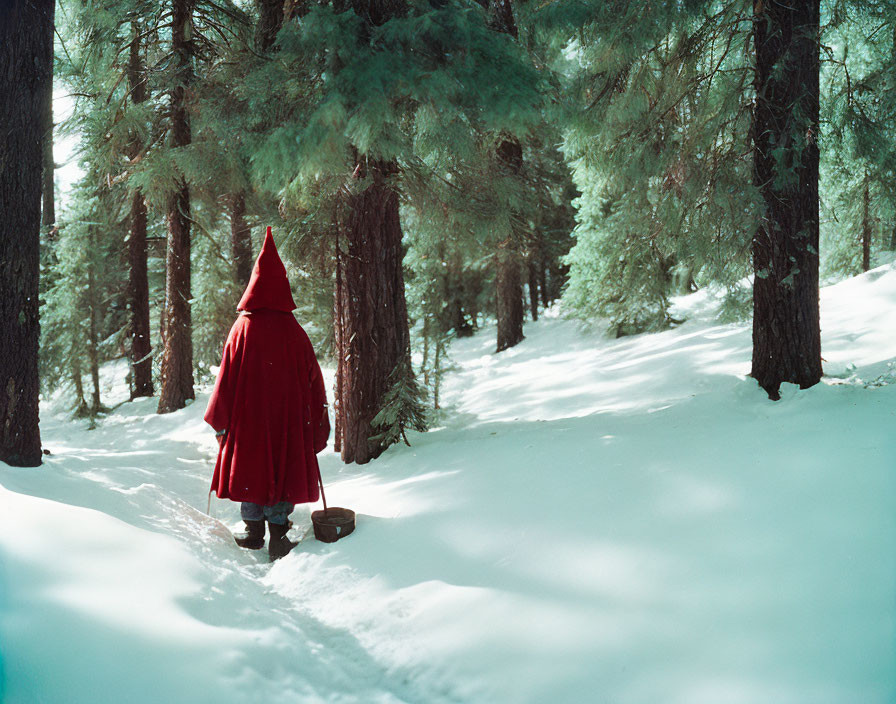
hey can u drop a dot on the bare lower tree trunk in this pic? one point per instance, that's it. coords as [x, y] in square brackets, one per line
[177, 327]
[786, 332]
[509, 261]
[438, 376]
[26, 88]
[508, 258]
[458, 317]
[138, 278]
[78, 383]
[48, 214]
[93, 341]
[371, 314]
[534, 265]
[509, 295]
[240, 241]
[374, 337]
[138, 293]
[338, 336]
[866, 225]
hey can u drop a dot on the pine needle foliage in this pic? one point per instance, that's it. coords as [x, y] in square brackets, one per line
[657, 134]
[403, 407]
[858, 155]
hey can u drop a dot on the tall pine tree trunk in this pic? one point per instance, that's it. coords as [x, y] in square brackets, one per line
[509, 295]
[373, 338]
[138, 279]
[508, 258]
[80, 404]
[26, 88]
[93, 337]
[786, 333]
[534, 267]
[866, 225]
[270, 20]
[508, 264]
[240, 241]
[177, 327]
[138, 295]
[48, 212]
[338, 337]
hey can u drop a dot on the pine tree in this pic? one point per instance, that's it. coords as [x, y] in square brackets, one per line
[858, 157]
[176, 376]
[372, 338]
[138, 281]
[508, 258]
[105, 65]
[401, 109]
[786, 331]
[656, 131]
[26, 85]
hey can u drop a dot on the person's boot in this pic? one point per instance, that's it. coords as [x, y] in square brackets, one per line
[279, 545]
[253, 538]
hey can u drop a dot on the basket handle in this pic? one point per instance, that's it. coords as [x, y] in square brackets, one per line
[322, 495]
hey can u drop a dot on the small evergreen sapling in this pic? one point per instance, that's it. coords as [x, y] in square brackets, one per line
[403, 407]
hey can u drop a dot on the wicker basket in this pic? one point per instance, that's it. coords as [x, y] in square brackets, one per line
[333, 523]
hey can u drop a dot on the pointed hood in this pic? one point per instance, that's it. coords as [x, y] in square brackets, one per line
[268, 287]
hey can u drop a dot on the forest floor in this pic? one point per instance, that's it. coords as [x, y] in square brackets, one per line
[614, 521]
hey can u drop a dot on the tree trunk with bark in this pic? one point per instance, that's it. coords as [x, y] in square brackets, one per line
[177, 356]
[48, 213]
[80, 404]
[786, 332]
[509, 295]
[240, 241]
[93, 337]
[270, 20]
[373, 337]
[508, 257]
[508, 263]
[138, 295]
[138, 279]
[866, 225]
[26, 88]
[534, 269]
[338, 328]
[271, 15]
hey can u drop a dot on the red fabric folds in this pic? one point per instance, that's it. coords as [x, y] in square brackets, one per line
[269, 397]
[268, 288]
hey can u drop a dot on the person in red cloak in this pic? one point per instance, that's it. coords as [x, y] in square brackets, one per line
[268, 409]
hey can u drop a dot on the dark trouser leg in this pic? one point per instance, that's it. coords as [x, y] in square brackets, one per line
[278, 515]
[253, 517]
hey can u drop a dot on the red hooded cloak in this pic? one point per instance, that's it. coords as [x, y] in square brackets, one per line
[269, 397]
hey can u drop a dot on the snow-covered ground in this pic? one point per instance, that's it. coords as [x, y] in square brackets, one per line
[612, 521]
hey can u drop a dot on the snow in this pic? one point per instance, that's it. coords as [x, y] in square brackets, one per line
[623, 521]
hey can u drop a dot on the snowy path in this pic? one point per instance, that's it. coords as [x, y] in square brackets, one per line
[140, 595]
[620, 521]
